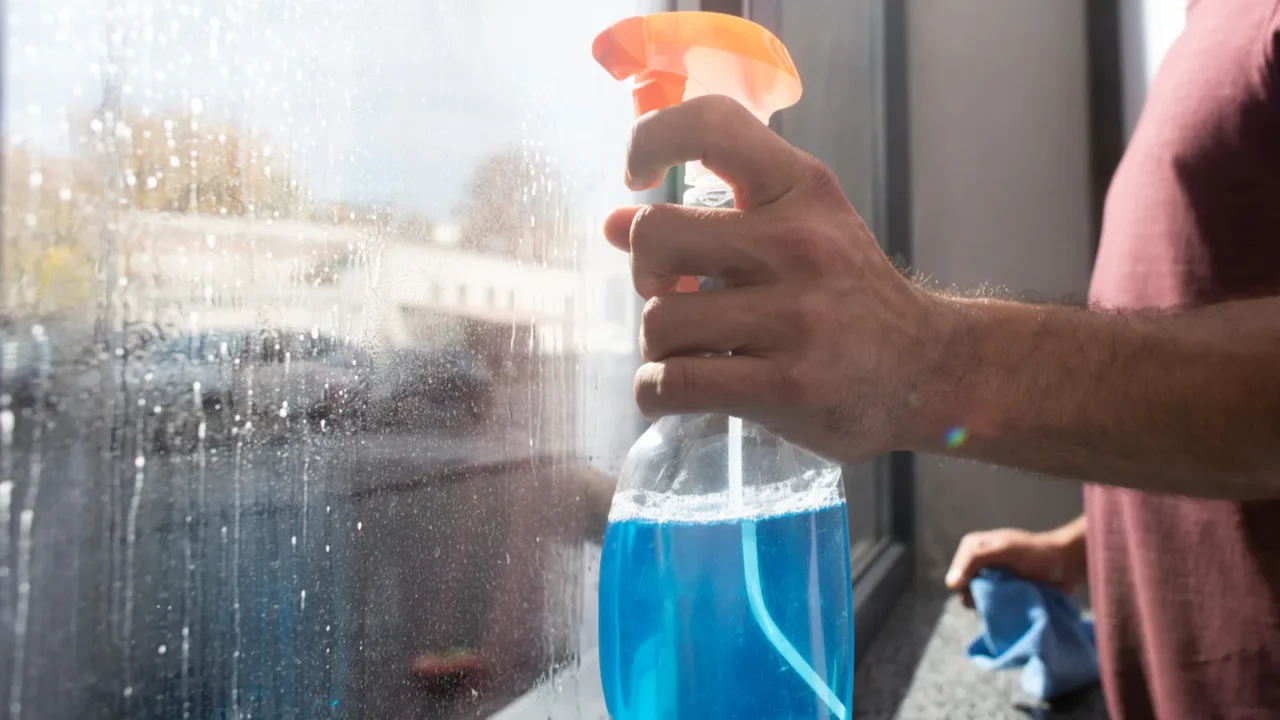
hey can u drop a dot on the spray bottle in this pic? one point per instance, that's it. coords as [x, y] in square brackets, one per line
[724, 583]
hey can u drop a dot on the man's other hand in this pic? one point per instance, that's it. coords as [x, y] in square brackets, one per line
[1054, 558]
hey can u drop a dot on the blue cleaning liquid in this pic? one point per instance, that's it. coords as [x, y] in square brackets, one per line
[678, 638]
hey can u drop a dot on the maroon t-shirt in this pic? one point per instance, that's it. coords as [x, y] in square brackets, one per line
[1187, 592]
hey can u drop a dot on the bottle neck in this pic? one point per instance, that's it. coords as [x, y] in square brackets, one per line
[705, 189]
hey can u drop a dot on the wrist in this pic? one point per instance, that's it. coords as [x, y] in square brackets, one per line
[947, 374]
[1069, 543]
[1071, 535]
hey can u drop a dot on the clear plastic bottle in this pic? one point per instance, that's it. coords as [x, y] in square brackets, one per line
[724, 585]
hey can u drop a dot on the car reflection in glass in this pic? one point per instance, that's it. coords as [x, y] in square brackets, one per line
[429, 389]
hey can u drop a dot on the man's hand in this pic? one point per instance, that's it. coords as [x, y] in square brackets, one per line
[833, 349]
[1054, 558]
[827, 337]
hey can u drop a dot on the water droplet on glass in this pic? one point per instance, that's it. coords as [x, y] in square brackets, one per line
[359, 526]
[162, 650]
[128, 692]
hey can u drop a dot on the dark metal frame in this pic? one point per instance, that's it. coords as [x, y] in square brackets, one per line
[1106, 102]
[883, 573]
[888, 571]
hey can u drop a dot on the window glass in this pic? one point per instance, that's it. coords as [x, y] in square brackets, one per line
[837, 48]
[316, 371]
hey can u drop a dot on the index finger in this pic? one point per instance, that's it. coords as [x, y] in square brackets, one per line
[970, 557]
[731, 142]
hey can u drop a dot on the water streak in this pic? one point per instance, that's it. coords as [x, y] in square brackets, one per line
[26, 521]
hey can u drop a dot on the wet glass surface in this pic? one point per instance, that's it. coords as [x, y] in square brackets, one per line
[316, 371]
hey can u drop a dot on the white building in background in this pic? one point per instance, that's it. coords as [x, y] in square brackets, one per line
[234, 273]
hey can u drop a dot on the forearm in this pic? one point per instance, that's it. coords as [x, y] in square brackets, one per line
[1072, 533]
[1186, 403]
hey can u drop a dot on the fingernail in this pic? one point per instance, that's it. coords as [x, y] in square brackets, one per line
[953, 576]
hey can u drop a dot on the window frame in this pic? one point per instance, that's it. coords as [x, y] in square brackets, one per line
[884, 571]
[888, 569]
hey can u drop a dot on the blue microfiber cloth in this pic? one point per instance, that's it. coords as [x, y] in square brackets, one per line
[1035, 627]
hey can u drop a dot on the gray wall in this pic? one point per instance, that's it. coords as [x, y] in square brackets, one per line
[835, 45]
[1000, 189]
[1147, 29]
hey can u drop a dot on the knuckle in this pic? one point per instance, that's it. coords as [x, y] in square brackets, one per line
[661, 388]
[645, 226]
[651, 314]
[719, 111]
[803, 316]
[792, 324]
[806, 244]
[640, 130]
[820, 177]
[653, 327]
[975, 543]
[671, 384]
[989, 547]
